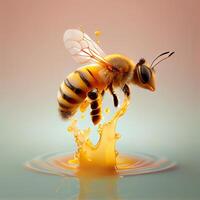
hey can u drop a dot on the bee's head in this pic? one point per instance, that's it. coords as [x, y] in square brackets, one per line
[144, 76]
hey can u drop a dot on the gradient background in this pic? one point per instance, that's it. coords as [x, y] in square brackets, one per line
[33, 62]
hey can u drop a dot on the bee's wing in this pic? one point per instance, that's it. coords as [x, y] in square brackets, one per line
[82, 48]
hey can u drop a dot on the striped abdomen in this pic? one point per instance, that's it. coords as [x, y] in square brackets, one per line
[74, 89]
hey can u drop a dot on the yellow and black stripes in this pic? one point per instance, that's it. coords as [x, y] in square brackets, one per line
[90, 72]
[67, 98]
[67, 104]
[83, 77]
[95, 106]
[76, 90]
[73, 91]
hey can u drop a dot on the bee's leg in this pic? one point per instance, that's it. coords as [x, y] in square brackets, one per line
[95, 105]
[115, 99]
[102, 93]
[86, 102]
[126, 90]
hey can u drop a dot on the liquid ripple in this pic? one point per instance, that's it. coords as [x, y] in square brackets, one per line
[139, 163]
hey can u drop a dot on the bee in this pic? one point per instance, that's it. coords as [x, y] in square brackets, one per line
[99, 73]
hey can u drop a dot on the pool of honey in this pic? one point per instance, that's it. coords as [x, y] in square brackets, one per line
[59, 163]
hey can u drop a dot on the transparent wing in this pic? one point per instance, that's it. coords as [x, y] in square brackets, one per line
[82, 48]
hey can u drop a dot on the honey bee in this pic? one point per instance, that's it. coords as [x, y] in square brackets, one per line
[99, 73]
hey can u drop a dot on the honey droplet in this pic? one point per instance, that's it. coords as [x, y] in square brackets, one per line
[69, 129]
[84, 105]
[117, 135]
[97, 33]
[73, 161]
[107, 110]
[72, 127]
[82, 116]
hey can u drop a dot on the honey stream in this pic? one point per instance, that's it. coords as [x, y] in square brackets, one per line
[103, 155]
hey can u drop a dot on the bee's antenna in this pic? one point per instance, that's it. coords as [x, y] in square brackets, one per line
[158, 57]
[163, 58]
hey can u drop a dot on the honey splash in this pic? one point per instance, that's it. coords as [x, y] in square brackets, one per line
[103, 155]
[100, 159]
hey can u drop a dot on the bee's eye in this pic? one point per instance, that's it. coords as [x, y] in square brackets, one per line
[144, 74]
